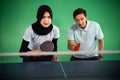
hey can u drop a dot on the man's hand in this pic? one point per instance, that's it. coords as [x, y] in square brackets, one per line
[77, 47]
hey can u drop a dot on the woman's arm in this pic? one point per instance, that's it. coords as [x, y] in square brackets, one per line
[55, 57]
[24, 46]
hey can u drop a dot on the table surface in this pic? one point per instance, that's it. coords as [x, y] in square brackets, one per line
[69, 70]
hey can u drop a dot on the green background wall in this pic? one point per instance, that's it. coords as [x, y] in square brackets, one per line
[17, 15]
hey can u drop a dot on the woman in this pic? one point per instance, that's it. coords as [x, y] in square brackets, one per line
[37, 33]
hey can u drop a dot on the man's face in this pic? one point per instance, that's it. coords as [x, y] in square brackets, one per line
[81, 19]
[46, 20]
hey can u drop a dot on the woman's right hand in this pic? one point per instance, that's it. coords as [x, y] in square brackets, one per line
[35, 51]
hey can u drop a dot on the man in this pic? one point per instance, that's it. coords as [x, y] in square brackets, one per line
[87, 33]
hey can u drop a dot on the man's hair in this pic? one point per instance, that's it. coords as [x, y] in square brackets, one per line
[79, 11]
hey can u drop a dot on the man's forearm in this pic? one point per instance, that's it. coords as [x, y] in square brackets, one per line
[101, 45]
[71, 47]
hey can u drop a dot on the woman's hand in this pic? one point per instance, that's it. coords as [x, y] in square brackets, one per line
[55, 58]
[35, 51]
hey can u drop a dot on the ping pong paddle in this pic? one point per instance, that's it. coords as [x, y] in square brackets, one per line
[77, 47]
[47, 46]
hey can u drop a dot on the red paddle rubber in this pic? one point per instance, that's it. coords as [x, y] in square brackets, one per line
[77, 47]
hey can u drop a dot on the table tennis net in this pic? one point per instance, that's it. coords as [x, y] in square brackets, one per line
[58, 53]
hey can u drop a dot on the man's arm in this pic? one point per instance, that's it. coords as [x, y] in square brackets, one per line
[71, 45]
[101, 44]
[101, 48]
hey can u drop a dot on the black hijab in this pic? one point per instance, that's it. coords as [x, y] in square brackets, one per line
[37, 27]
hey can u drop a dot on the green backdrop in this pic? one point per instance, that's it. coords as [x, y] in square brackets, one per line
[17, 15]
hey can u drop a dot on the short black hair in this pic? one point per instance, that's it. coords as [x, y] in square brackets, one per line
[41, 10]
[79, 11]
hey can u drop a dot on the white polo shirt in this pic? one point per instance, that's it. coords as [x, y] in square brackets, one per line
[86, 37]
[36, 40]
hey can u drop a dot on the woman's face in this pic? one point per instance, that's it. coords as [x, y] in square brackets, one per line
[46, 20]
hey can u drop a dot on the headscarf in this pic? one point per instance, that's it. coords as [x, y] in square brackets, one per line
[37, 27]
